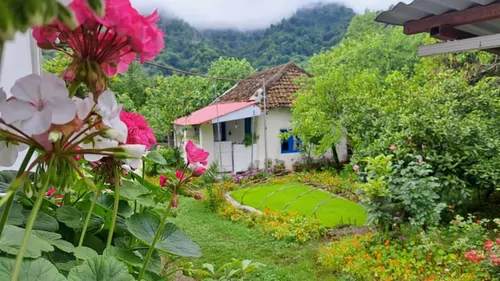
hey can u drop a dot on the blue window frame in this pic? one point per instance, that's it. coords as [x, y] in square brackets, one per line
[248, 125]
[291, 145]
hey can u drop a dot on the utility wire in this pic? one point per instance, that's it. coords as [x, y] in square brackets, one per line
[192, 73]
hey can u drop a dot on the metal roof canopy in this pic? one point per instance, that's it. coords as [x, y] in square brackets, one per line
[450, 20]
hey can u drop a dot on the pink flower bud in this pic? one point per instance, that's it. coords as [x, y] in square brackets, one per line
[355, 168]
[198, 196]
[497, 241]
[488, 245]
[393, 147]
[179, 174]
[199, 171]
[410, 138]
[420, 160]
[174, 201]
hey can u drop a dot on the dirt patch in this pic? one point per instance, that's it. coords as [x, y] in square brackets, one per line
[339, 233]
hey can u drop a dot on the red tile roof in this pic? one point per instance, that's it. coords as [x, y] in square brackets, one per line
[211, 112]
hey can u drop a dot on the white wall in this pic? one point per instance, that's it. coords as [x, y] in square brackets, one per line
[277, 119]
[207, 140]
[20, 58]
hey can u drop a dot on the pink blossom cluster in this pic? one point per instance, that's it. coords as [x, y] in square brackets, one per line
[109, 43]
[492, 253]
[139, 131]
[197, 160]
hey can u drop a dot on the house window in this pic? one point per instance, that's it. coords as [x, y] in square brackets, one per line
[291, 145]
[248, 126]
[217, 136]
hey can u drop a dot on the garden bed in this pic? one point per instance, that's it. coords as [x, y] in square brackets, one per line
[332, 210]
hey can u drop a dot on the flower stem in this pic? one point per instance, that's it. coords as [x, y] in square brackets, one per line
[27, 231]
[115, 207]
[11, 194]
[89, 216]
[158, 233]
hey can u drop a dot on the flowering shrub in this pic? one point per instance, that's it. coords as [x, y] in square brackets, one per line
[288, 226]
[78, 211]
[383, 257]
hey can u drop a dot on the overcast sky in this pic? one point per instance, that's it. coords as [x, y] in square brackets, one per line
[246, 14]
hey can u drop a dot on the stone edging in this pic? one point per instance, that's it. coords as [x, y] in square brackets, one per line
[239, 206]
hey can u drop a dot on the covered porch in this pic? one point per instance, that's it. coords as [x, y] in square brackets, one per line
[226, 131]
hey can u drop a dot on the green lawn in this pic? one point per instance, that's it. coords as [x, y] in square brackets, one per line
[220, 240]
[330, 214]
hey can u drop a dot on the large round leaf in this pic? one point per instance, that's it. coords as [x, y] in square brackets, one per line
[16, 216]
[173, 240]
[70, 216]
[10, 242]
[132, 189]
[43, 221]
[100, 268]
[31, 270]
[55, 240]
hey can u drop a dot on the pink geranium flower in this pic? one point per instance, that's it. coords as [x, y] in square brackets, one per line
[195, 154]
[104, 45]
[355, 168]
[163, 181]
[393, 147]
[139, 131]
[488, 245]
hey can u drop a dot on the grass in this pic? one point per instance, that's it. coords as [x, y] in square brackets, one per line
[332, 213]
[221, 240]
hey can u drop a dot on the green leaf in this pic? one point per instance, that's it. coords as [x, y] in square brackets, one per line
[146, 200]
[95, 243]
[120, 227]
[156, 157]
[100, 268]
[154, 264]
[16, 216]
[55, 240]
[131, 190]
[70, 216]
[124, 255]
[43, 221]
[10, 243]
[31, 270]
[107, 201]
[85, 253]
[144, 226]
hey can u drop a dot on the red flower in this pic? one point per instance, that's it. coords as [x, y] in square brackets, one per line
[179, 174]
[474, 256]
[487, 245]
[195, 154]
[109, 44]
[495, 260]
[50, 192]
[199, 171]
[497, 241]
[163, 181]
[139, 131]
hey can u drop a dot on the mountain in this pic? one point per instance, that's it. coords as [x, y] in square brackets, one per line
[310, 30]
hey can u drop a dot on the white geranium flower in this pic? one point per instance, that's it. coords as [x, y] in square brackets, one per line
[135, 151]
[83, 106]
[109, 110]
[38, 102]
[99, 143]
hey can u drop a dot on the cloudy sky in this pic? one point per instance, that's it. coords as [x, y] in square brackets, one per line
[246, 14]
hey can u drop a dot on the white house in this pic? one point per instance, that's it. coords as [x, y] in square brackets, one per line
[242, 127]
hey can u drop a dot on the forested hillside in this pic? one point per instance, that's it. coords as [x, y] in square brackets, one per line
[309, 31]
